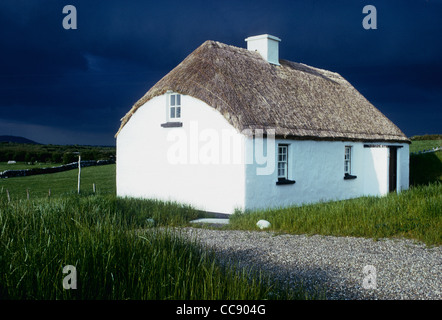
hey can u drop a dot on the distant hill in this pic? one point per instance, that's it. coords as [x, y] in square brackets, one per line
[16, 139]
[427, 137]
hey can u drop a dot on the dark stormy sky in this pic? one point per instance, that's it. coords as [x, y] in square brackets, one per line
[73, 86]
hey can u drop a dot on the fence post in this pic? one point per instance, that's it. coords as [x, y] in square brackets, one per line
[79, 173]
[93, 187]
[27, 193]
[9, 197]
[49, 193]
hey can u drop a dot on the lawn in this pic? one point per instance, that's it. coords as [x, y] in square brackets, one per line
[25, 165]
[61, 183]
[424, 145]
[421, 145]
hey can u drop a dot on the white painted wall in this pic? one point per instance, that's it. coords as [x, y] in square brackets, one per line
[318, 169]
[146, 157]
[377, 169]
[377, 160]
[403, 160]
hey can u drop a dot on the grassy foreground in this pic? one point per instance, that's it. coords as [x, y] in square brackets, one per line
[100, 235]
[115, 254]
[414, 214]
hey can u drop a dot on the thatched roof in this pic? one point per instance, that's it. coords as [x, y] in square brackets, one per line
[296, 100]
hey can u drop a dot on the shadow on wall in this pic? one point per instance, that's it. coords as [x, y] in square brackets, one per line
[425, 168]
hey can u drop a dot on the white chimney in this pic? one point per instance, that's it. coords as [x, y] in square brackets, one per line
[266, 45]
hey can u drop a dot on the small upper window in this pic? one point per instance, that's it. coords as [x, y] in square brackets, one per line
[347, 160]
[175, 106]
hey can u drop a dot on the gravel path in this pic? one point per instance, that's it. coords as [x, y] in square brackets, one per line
[404, 269]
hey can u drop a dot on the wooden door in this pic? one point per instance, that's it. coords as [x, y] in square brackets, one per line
[392, 177]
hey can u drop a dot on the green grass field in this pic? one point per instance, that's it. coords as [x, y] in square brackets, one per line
[62, 183]
[421, 145]
[414, 214]
[117, 253]
[120, 254]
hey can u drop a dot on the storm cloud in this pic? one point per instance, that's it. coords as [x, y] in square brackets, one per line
[73, 86]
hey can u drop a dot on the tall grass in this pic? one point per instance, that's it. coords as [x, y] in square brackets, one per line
[414, 214]
[425, 168]
[115, 256]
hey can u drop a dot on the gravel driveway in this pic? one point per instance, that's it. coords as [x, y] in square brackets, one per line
[403, 269]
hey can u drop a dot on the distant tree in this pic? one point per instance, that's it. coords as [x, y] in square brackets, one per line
[9, 155]
[56, 157]
[88, 155]
[69, 157]
[19, 155]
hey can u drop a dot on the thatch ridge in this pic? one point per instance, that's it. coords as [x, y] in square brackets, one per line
[294, 99]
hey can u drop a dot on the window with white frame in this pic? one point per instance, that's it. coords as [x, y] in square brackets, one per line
[282, 161]
[174, 106]
[347, 160]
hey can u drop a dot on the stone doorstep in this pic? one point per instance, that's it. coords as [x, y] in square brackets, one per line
[211, 221]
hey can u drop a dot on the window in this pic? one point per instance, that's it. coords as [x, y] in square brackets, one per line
[282, 161]
[347, 160]
[174, 106]
[173, 111]
[283, 165]
[347, 164]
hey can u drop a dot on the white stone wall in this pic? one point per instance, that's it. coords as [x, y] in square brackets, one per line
[180, 164]
[318, 169]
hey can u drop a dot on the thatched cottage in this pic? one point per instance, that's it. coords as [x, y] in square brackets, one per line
[240, 128]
